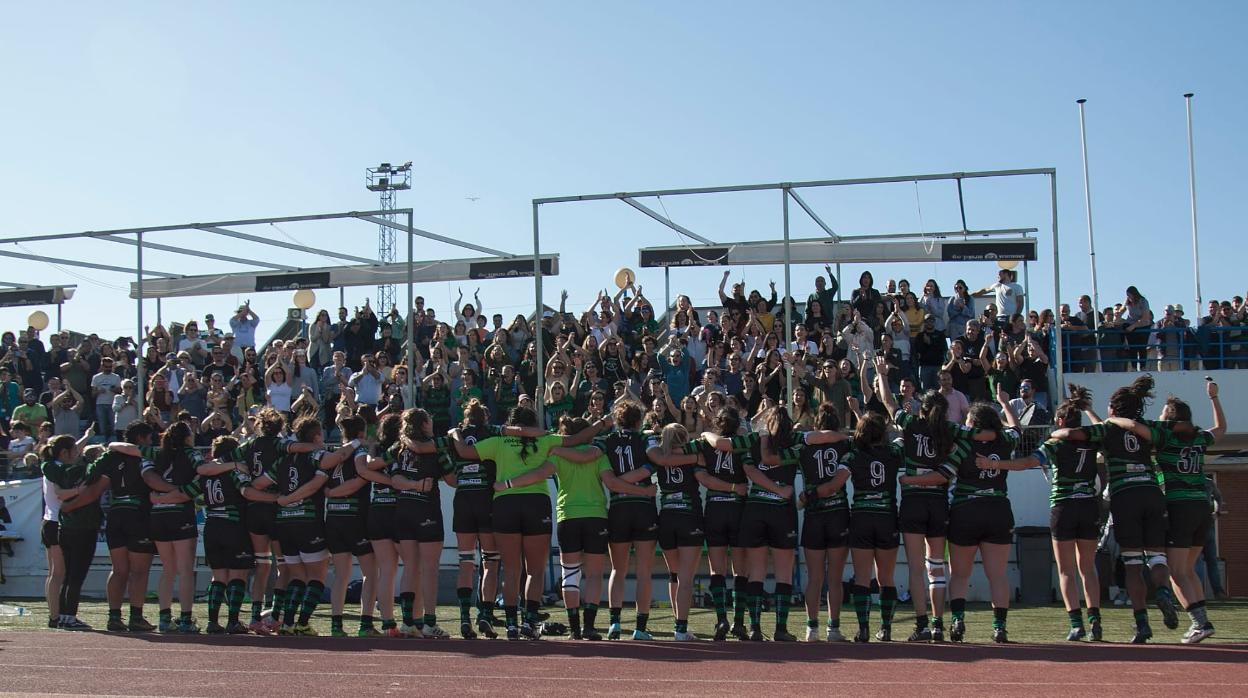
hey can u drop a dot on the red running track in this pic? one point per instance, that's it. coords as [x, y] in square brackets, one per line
[45, 663]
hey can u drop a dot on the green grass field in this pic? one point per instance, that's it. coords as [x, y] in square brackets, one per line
[1036, 624]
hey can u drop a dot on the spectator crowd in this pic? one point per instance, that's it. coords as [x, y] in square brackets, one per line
[682, 367]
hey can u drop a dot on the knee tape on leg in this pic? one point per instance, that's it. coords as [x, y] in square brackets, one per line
[1155, 559]
[264, 558]
[571, 577]
[936, 573]
[468, 557]
[672, 577]
[1132, 558]
[490, 556]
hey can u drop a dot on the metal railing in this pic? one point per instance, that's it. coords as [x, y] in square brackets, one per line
[1207, 347]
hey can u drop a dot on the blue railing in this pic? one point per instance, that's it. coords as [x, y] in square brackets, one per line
[1202, 348]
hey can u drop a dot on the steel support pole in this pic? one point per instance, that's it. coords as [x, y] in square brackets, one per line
[1087, 204]
[158, 321]
[59, 307]
[667, 294]
[788, 306]
[1191, 179]
[139, 349]
[537, 318]
[1058, 365]
[411, 329]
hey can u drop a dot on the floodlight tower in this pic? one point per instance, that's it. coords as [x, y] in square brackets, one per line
[386, 179]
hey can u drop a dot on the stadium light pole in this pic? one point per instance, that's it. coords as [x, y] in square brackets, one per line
[788, 306]
[537, 317]
[411, 303]
[1087, 203]
[138, 343]
[1191, 179]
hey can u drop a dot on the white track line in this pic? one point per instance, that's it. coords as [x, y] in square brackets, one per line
[629, 679]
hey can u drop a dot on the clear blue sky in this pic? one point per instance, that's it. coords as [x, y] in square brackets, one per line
[154, 113]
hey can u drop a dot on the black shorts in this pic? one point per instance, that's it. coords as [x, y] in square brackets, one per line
[826, 529]
[227, 545]
[302, 540]
[173, 526]
[418, 520]
[379, 523]
[989, 520]
[769, 526]
[1139, 516]
[50, 534]
[471, 511]
[527, 513]
[723, 523]
[1189, 523]
[346, 534]
[628, 522]
[926, 514]
[1075, 519]
[129, 529]
[873, 530]
[261, 519]
[587, 535]
[680, 529]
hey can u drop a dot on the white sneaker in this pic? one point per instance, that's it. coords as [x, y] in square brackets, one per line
[685, 637]
[834, 635]
[1121, 599]
[812, 634]
[410, 631]
[435, 632]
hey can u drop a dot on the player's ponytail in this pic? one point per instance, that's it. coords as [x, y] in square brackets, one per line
[1070, 412]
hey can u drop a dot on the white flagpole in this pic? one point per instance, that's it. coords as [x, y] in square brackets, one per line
[1191, 170]
[1087, 201]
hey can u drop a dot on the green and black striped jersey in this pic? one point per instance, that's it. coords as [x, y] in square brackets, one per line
[626, 452]
[223, 495]
[679, 489]
[971, 483]
[344, 472]
[819, 464]
[67, 476]
[728, 466]
[1071, 466]
[921, 453]
[125, 481]
[470, 474]
[178, 467]
[418, 466]
[1181, 461]
[1128, 458]
[784, 474]
[381, 495]
[298, 470]
[873, 474]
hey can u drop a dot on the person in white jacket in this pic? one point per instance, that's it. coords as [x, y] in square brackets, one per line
[859, 343]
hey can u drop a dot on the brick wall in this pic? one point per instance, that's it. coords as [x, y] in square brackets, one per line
[1233, 530]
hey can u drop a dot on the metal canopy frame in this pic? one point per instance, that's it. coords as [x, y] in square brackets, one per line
[788, 191]
[225, 229]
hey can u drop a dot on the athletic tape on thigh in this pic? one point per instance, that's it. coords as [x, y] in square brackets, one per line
[936, 572]
[1132, 558]
[312, 557]
[488, 556]
[1156, 559]
[571, 576]
[264, 558]
[291, 559]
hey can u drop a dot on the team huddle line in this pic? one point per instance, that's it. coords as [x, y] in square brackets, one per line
[905, 474]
